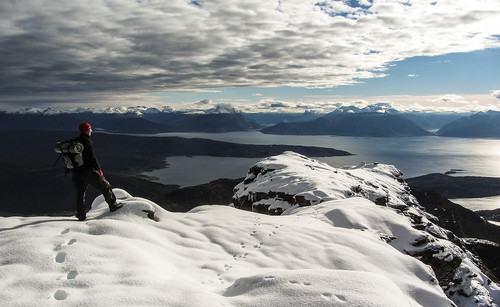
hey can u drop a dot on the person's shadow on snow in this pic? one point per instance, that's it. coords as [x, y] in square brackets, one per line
[37, 223]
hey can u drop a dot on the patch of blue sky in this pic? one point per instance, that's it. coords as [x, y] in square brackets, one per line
[459, 73]
[195, 3]
[345, 8]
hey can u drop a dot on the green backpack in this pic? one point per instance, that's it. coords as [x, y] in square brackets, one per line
[71, 152]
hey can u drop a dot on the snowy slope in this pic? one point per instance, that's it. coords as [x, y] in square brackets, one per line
[211, 256]
[340, 252]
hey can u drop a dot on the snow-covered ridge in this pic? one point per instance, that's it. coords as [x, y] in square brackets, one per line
[344, 251]
[291, 184]
[303, 181]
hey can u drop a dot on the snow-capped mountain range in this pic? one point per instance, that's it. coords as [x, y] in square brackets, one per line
[136, 110]
[349, 236]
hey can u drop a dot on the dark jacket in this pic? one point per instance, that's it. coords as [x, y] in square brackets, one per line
[89, 157]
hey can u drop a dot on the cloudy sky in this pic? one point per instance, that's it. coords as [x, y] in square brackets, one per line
[254, 54]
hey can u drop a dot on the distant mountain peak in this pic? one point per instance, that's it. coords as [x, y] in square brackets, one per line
[375, 124]
[222, 109]
[373, 108]
[480, 125]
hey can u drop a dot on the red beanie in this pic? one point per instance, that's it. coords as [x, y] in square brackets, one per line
[84, 127]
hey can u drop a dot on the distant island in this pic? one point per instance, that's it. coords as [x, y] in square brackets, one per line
[371, 124]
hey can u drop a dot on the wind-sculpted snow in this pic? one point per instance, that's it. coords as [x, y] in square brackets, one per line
[335, 253]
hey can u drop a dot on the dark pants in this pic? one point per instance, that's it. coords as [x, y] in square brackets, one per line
[82, 179]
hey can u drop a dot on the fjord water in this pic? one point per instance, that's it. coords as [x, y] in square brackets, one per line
[415, 156]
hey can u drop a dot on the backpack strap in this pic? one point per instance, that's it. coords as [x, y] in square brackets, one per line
[66, 170]
[55, 163]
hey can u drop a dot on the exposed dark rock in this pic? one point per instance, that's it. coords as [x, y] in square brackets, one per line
[487, 252]
[422, 240]
[464, 223]
[461, 221]
[150, 214]
[251, 201]
[443, 266]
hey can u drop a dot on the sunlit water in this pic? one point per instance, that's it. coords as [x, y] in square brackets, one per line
[476, 204]
[415, 156]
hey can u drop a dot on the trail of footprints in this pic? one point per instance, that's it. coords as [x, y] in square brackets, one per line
[243, 245]
[60, 258]
[328, 296]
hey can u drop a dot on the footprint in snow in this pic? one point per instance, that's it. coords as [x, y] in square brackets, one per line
[259, 245]
[60, 295]
[334, 298]
[72, 274]
[272, 234]
[61, 257]
[61, 245]
[238, 256]
[65, 231]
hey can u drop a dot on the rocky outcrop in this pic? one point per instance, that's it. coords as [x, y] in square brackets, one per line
[268, 202]
[295, 180]
[487, 252]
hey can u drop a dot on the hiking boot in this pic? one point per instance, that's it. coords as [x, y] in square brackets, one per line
[115, 207]
[81, 216]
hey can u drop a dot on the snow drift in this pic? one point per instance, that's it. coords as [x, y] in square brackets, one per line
[344, 251]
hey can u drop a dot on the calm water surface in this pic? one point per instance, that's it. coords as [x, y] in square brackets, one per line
[415, 156]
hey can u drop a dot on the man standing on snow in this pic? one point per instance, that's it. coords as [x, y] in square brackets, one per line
[90, 173]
